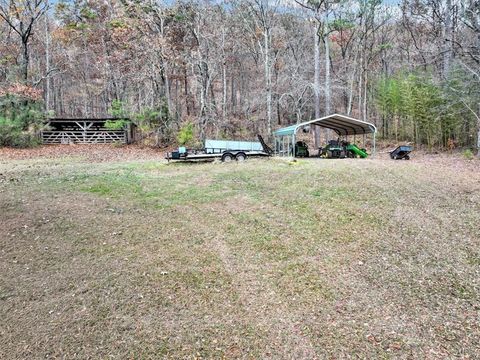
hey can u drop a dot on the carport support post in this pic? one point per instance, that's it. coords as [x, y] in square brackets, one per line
[293, 145]
[374, 133]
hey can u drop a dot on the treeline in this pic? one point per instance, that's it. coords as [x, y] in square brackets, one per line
[240, 67]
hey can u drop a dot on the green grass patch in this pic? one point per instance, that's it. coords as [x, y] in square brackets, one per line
[262, 259]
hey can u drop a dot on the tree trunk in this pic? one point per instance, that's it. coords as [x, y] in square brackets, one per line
[365, 98]
[185, 84]
[165, 71]
[233, 95]
[224, 78]
[478, 140]
[352, 83]
[178, 110]
[279, 119]
[25, 60]
[316, 85]
[447, 39]
[478, 132]
[268, 80]
[327, 74]
[47, 65]
[360, 91]
[167, 88]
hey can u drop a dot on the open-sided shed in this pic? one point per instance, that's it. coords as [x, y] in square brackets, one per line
[342, 125]
[84, 131]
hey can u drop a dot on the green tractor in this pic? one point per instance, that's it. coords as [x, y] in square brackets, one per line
[301, 149]
[353, 151]
[336, 149]
[333, 150]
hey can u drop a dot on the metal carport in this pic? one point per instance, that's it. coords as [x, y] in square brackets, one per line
[342, 125]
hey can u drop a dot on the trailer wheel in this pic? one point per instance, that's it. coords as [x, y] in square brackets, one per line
[241, 157]
[227, 157]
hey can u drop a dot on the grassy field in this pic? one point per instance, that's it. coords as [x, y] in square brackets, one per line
[264, 259]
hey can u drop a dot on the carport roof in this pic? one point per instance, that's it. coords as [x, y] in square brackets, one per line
[341, 124]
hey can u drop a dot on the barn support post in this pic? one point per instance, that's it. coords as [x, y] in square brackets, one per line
[128, 139]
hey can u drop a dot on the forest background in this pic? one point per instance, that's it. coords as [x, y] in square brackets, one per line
[232, 69]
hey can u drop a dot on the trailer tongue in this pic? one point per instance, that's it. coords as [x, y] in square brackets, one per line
[225, 150]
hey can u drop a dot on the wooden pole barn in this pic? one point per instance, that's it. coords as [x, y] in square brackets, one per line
[85, 131]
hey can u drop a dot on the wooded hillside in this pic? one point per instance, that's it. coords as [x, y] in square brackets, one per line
[235, 68]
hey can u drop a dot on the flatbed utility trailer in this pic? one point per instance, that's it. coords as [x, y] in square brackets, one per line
[401, 152]
[224, 150]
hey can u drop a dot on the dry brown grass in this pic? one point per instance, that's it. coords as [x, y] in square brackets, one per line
[266, 259]
[92, 153]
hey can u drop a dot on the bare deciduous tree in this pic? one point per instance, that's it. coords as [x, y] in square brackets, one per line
[21, 16]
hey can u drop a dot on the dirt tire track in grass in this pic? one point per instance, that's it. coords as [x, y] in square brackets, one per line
[258, 299]
[264, 309]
